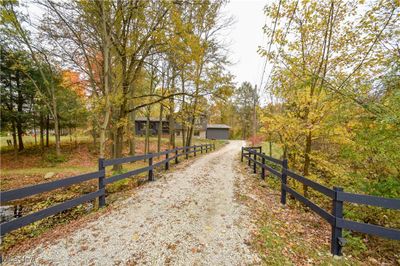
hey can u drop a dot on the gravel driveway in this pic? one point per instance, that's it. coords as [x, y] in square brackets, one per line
[187, 217]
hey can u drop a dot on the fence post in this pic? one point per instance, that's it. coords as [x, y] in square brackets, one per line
[262, 167]
[102, 198]
[248, 162]
[167, 161]
[283, 181]
[241, 157]
[201, 148]
[206, 148]
[337, 211]
[187, 152]
[151, 176]
[195, 150]
[176, 155]
[254, 163]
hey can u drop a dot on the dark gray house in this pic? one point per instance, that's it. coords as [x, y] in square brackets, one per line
[140, 126]
[217, 131]
[202, 130]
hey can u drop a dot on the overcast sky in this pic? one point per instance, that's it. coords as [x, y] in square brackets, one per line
[245, 37]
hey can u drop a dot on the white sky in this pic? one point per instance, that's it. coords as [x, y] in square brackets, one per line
[246, 36]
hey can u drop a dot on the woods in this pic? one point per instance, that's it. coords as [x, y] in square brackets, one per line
[154, 59]
[335, 92]
[335, 89]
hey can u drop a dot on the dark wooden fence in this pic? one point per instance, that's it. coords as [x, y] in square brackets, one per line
[337, 195]
[15, 194]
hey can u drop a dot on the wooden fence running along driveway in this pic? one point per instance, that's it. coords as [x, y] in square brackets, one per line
[7, 196]
[337, 195]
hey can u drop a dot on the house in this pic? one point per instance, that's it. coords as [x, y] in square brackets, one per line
[217, 131]
[140, 126]
[208, 131]
[199, 130]
[202, 130]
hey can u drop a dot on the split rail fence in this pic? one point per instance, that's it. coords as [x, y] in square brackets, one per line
[258, 159]
[100, 175]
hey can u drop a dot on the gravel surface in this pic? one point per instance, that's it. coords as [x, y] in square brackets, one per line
[188, 217]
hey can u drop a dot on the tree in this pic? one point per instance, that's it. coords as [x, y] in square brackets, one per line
[246, 100]
[325, 76]
[15, 31]
[17, 93]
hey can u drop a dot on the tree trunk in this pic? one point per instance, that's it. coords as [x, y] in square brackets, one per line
[147, 136]
[94, 133]
[160, 127]
[171, 117]
[41, 130]
[307, 160]
[132, 141]
[106, 77]
[56, 125]
[171, 122]
[20, 102]
[34, 129]
[14, 136]
[190, 131]
[76, 138]
[118, 140]
[183, 136]
[20, 133]
[47, 130]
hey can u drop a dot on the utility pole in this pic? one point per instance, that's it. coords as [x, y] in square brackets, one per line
[254, 114]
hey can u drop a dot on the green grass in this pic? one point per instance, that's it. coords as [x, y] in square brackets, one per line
[276, 152]
[51, 164]
[44, 170]
[29, 141]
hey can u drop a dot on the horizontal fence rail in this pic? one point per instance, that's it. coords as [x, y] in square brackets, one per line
[335, 218]
[100, 175]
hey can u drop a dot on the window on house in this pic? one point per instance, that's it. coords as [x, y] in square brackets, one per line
[196, 133]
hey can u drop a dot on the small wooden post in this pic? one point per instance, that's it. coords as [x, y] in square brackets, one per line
[241, 157]
[167, 161]
[248, 162]
[255, 164]
[102, 198]
[201, 148]
[176, 156]
[206, 148]
[283, 181]
[195, 150]
[337, 211]
[187, 152]
[262, 167]
[151, 176]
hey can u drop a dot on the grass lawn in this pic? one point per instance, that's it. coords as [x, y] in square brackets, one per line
[78, 157]
[275, 152]
[29, 141]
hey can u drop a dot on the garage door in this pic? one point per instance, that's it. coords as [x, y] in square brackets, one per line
[217, 133]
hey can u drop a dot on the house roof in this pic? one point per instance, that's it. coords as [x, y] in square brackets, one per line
[152, 119]
[222, 126]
